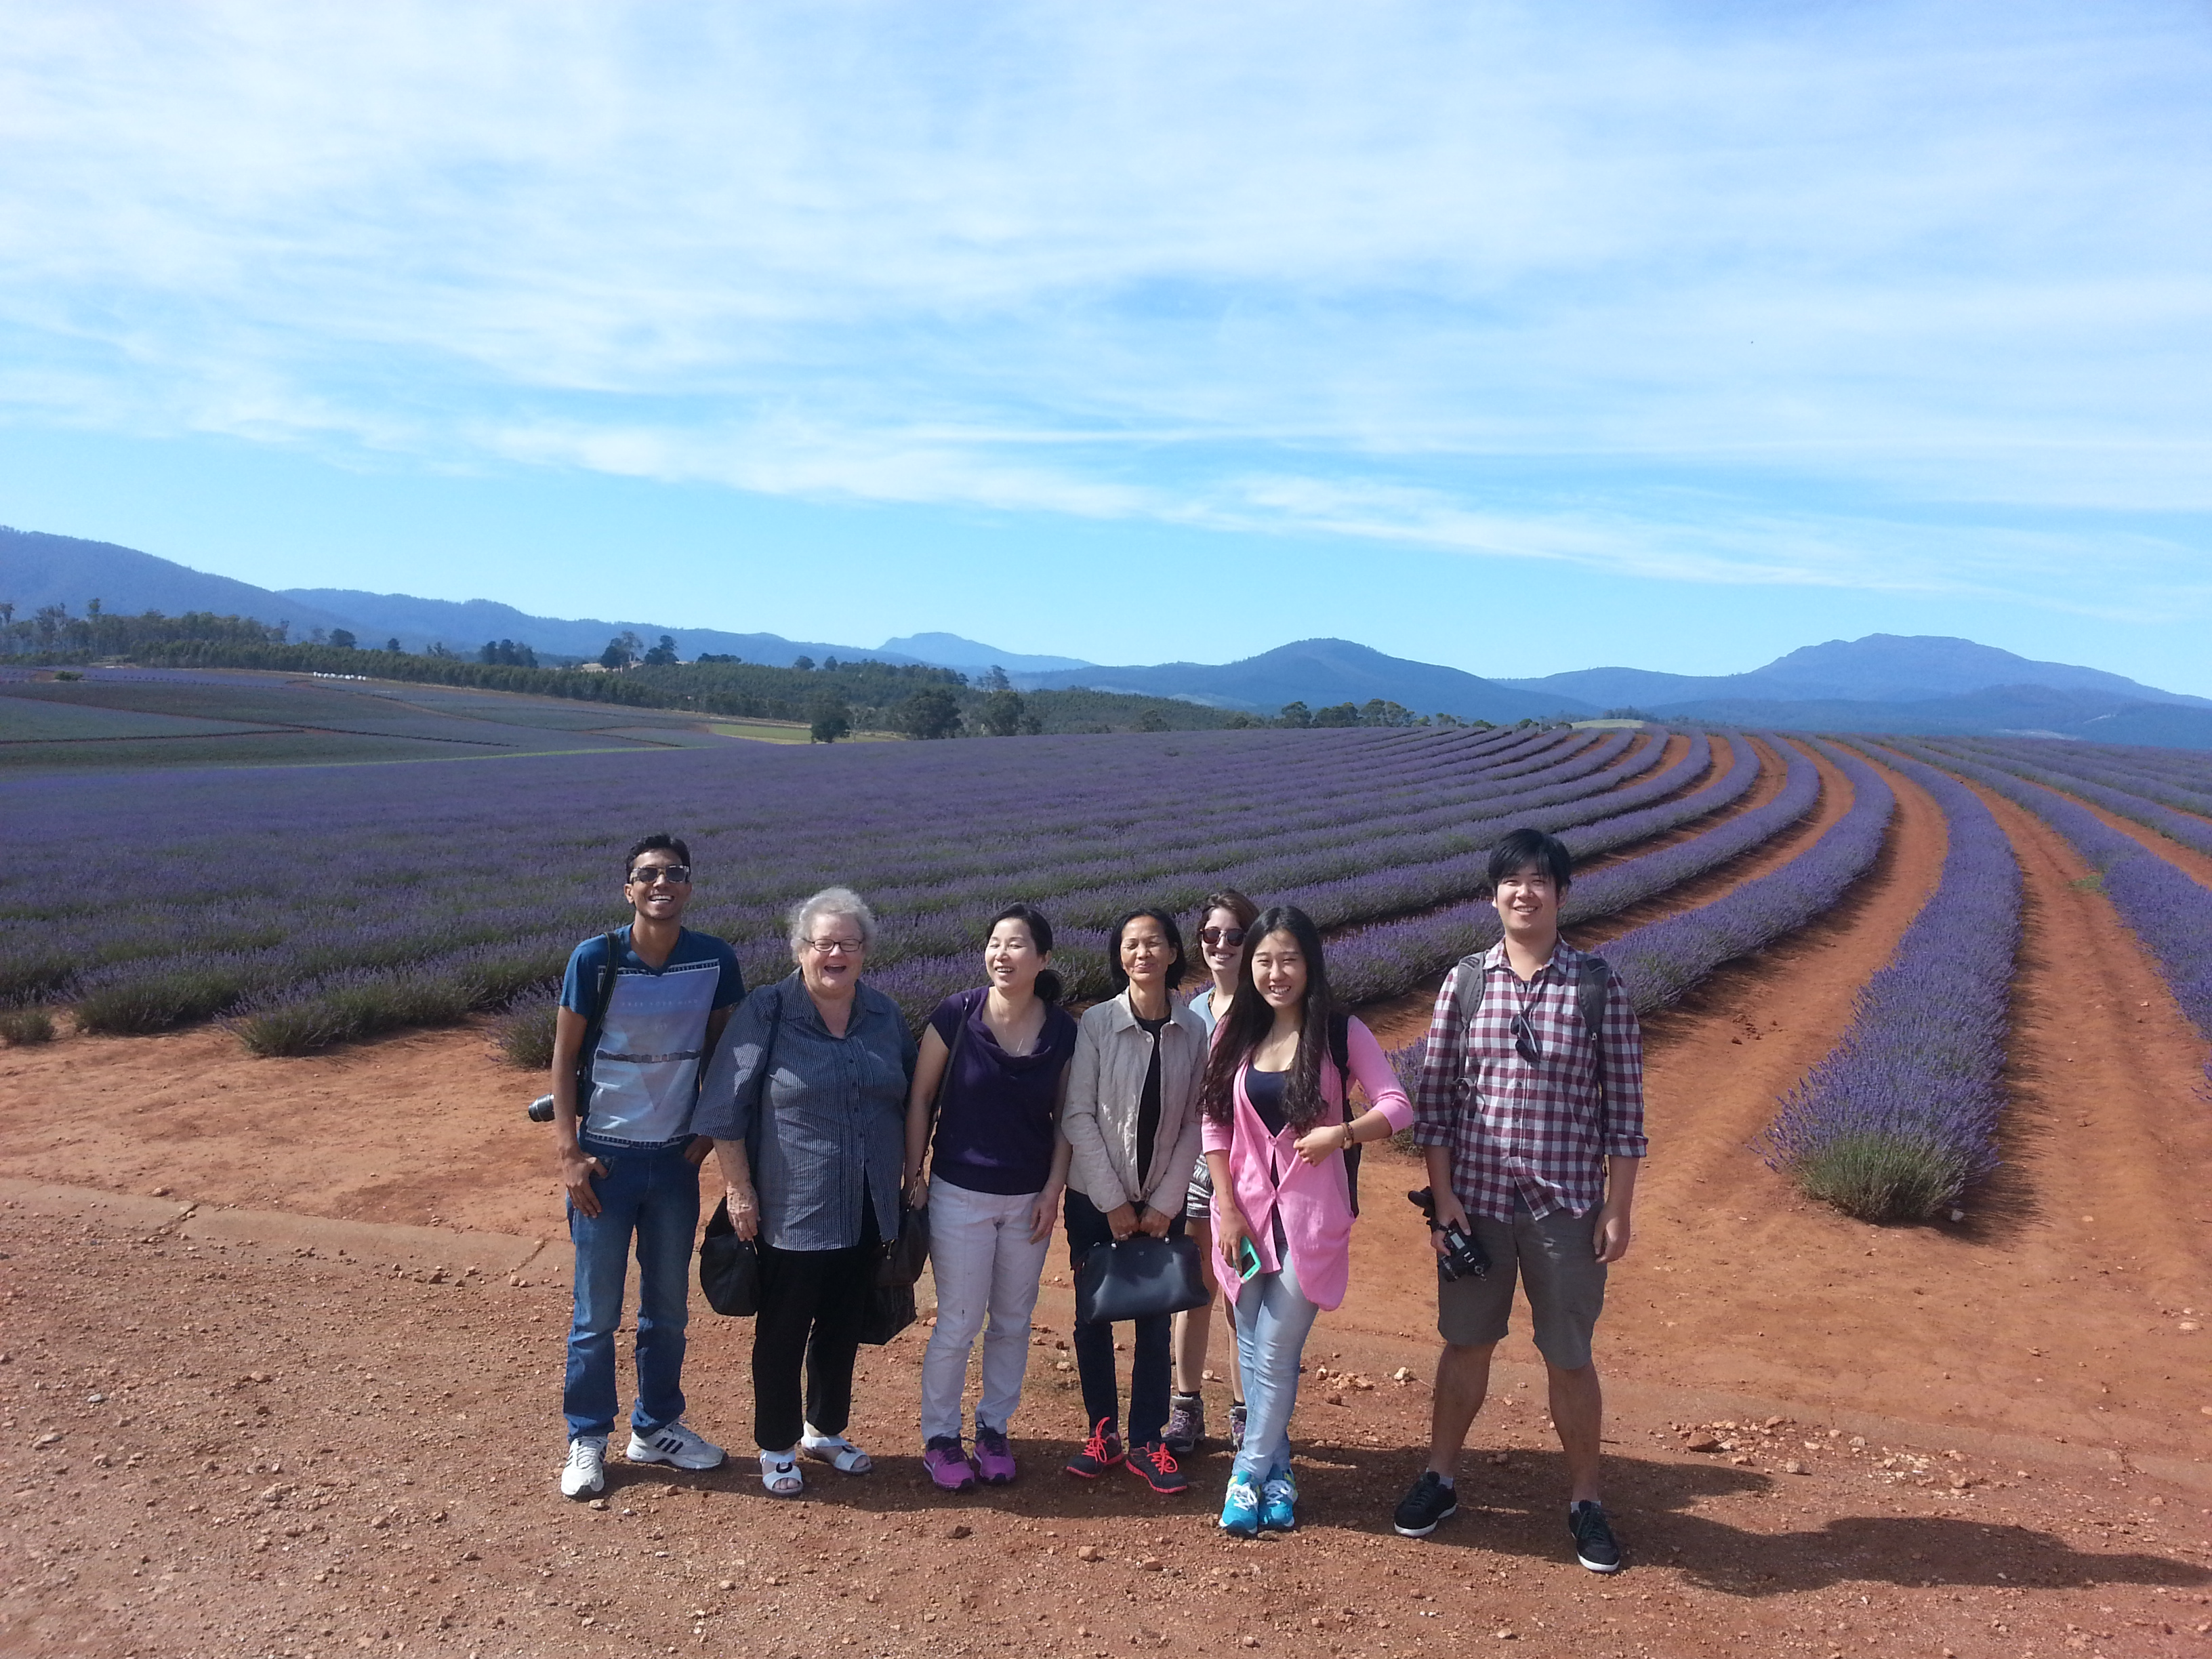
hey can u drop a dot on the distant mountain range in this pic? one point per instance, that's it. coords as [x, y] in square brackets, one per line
[1882, 683]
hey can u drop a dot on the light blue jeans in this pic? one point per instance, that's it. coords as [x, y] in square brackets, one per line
[651, 1194]
[1273, 1320]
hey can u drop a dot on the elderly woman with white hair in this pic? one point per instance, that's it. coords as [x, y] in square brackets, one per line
[807, 1103]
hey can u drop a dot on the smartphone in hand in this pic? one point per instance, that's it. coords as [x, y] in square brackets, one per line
[1248, 1261]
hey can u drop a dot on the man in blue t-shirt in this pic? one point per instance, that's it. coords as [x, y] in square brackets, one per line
[629, 1159]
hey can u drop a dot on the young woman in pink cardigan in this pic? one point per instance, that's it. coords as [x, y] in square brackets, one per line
[1276, 1128]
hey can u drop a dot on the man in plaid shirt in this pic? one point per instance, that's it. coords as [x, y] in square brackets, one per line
[1533, 1127]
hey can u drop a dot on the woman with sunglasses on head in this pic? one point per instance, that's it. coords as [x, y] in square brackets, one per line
[806, 1103]
[1131, 1127]
[1275, 1102]
[994, 1070]
[1223, 918]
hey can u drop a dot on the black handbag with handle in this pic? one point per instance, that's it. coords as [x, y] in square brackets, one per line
[1138, 1277]
[729, 1268]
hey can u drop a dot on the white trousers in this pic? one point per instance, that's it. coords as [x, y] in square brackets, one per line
[983, 1262]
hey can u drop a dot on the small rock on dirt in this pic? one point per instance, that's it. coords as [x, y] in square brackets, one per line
[958, 1531]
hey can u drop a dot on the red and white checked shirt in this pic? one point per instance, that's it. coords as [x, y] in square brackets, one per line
[1545, 1130]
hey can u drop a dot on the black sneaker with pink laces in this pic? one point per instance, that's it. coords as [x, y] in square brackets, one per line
[1100, 1453]
[1155, 1465]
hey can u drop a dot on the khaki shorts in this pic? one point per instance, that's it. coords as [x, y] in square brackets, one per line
[1556, 1258]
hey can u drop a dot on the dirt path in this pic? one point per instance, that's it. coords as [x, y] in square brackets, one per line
[2187, 860]
[304, 1457]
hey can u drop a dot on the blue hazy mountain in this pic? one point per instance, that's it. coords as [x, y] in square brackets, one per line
[1879, 668]
[1883, 682]
[951, 651]
[1320, 672]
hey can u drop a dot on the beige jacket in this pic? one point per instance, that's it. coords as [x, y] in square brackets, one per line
[1105, 1086]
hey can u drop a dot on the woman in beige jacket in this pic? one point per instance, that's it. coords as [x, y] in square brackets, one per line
[1132, 1125]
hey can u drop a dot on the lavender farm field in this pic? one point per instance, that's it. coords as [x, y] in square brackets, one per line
[434, 890]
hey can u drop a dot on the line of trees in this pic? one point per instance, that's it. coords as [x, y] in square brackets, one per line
[834, 698]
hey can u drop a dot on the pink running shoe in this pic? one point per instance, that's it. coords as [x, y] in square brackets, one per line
[948, 1464]
[995, 1458]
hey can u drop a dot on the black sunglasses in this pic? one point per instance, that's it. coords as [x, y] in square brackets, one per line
[1220, 936]
[1524, 1039]
[676, 874]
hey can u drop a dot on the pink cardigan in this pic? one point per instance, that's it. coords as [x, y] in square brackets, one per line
[1316, 1200]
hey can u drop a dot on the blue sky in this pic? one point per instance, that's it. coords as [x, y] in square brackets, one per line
[1676, 336]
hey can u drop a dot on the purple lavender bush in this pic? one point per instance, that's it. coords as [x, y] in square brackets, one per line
[1661, 960]
[2170, 914]
[2121, 801]
[1901, 1115]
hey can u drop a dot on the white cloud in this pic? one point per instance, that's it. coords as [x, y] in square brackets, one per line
[1334, 270]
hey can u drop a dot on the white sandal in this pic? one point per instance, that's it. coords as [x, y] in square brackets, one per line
[780, 1474]
[841, 1454]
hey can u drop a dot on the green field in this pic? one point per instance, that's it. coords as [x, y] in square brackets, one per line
[278, 719]
[35, 721]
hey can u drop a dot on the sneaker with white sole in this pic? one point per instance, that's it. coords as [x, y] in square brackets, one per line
[674, 1443]
[584, 1474]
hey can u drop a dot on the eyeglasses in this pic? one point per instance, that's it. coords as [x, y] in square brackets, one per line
[827, 947]
[675, 874]
[1219, 937]
[1524, 1039]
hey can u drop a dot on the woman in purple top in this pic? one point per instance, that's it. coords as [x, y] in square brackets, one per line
[1000, 1054]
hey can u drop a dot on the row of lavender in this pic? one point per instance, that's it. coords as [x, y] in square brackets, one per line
[1662, 960]
[1902, 1114]
[2168, 912]
[1394, 956]
[2118, 790]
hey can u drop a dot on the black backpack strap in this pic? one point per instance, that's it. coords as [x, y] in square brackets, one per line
[602, 997]
[1590, 989]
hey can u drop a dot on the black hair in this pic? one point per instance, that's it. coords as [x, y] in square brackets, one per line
[654, 844]
[1049, 985]
[1249, 1019]
[1114, 969]
[1523, 848]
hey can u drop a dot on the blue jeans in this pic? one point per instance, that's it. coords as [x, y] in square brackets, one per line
[1273, 1320]
[651, 1193]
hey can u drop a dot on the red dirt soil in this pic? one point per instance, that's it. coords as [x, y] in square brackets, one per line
[264, 1448]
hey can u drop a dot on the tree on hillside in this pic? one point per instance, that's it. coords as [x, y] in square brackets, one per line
[803, 664]
[507, 651]
[1002, 713]
[622, 650]
[1337, 713]
[392, 645]
[928, 713]
[662, 655]
[831, 718]
[342, 638]
[1295, 715]
[1152, 719]
[996, 680]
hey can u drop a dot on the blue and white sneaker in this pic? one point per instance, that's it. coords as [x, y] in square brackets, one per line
[1278, 1505]
[1240, 1508]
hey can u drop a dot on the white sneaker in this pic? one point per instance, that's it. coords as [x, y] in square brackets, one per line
[675, 1444]
[584, 1474]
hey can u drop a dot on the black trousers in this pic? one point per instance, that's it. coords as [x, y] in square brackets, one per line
[812, 1303]
[1094, 1342]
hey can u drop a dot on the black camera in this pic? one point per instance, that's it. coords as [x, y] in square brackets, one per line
[1462, 1258]
[541, 1109]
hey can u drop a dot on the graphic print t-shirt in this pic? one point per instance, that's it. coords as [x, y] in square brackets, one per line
[645, 1069]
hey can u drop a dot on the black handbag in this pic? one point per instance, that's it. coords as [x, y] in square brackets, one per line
[729, 1268]
[891, 1310]
[909, 1253]
[1138, 1277]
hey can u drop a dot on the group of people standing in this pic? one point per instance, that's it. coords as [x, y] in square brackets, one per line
[1229, 1115]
